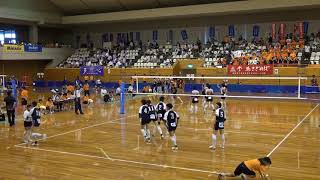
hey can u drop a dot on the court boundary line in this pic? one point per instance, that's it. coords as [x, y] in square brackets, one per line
[120, 160]
[207, 129]
[79, 129]
[286, 137]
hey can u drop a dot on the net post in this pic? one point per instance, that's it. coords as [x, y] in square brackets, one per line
[122, 98]
[299, 87]
[137, 85]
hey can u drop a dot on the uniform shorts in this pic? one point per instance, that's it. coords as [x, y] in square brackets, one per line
[243, 169]
[145, 121]
[218, 125]
[27, 124]
[171, 126]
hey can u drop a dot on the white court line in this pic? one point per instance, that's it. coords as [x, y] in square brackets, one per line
[120, 160]
[105, 154]
[87, 127]
[210, 128]
[292, 130]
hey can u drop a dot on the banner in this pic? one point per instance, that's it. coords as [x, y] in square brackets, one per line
[170, 36]
[255, 31]
[184, 35]
[212, 32]
[231, 31]
[273, 31]
[305, 27]
[92, 71]
[131, 36]
[155, 35]
[250, 70]
[13, 48]
[137, 36]
[282, 31]
[105, 37]
[301, 30]
[111, 37]
[32, 48]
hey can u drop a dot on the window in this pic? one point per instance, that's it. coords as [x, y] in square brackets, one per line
[1, 37]
[8, 36]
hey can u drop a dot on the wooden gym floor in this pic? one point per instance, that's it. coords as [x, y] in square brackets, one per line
[105, 145]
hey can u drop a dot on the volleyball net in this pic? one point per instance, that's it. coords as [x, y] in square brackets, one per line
[237, 87]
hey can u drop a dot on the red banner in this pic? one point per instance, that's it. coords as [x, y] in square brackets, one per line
[250, 70]
[273, 31]
[301, 29]
[282, 30]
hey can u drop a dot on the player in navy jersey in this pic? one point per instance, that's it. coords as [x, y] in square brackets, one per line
[194, 101]
[218, 126]
[154, 118]
[172, 118]
[144, 120]
[161, 110]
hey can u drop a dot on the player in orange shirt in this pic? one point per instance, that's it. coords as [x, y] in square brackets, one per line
[50, 105]
[70, 89]
[24, 97]
[250, 168]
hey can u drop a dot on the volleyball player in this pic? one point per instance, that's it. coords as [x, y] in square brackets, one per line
[223, 92]
[161, 110]
[218, 126]
[154, 118]
[172, 118]
[194, 100]
[27, 125]
[250, 168]
[36, 119]
[208, 99]
[144, 120]
[174, 90]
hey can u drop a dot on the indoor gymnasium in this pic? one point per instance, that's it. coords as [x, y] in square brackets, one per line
[159, 89]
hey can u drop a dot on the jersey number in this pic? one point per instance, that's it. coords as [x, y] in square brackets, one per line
[172, 116]
[173, 124]
[221, 125]
[221, 114]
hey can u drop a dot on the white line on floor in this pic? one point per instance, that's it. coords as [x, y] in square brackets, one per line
[119, 160]
[87, 127]
[105, 154]
[285, 138]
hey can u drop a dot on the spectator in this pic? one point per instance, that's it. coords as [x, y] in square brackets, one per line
[10, 106]
[314, 81]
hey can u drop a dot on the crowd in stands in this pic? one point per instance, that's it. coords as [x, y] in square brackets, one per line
[236, 51]
[101, 57]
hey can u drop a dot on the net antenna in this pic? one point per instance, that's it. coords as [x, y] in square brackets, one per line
[237, 86]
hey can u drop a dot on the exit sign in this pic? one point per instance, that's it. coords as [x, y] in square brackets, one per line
[190, 66]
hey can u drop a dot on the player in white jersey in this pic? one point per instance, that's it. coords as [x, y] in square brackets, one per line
[218, 126]
[194, 100]
[154, 118]
[208, 99]
[171, 117]
[223, 92]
